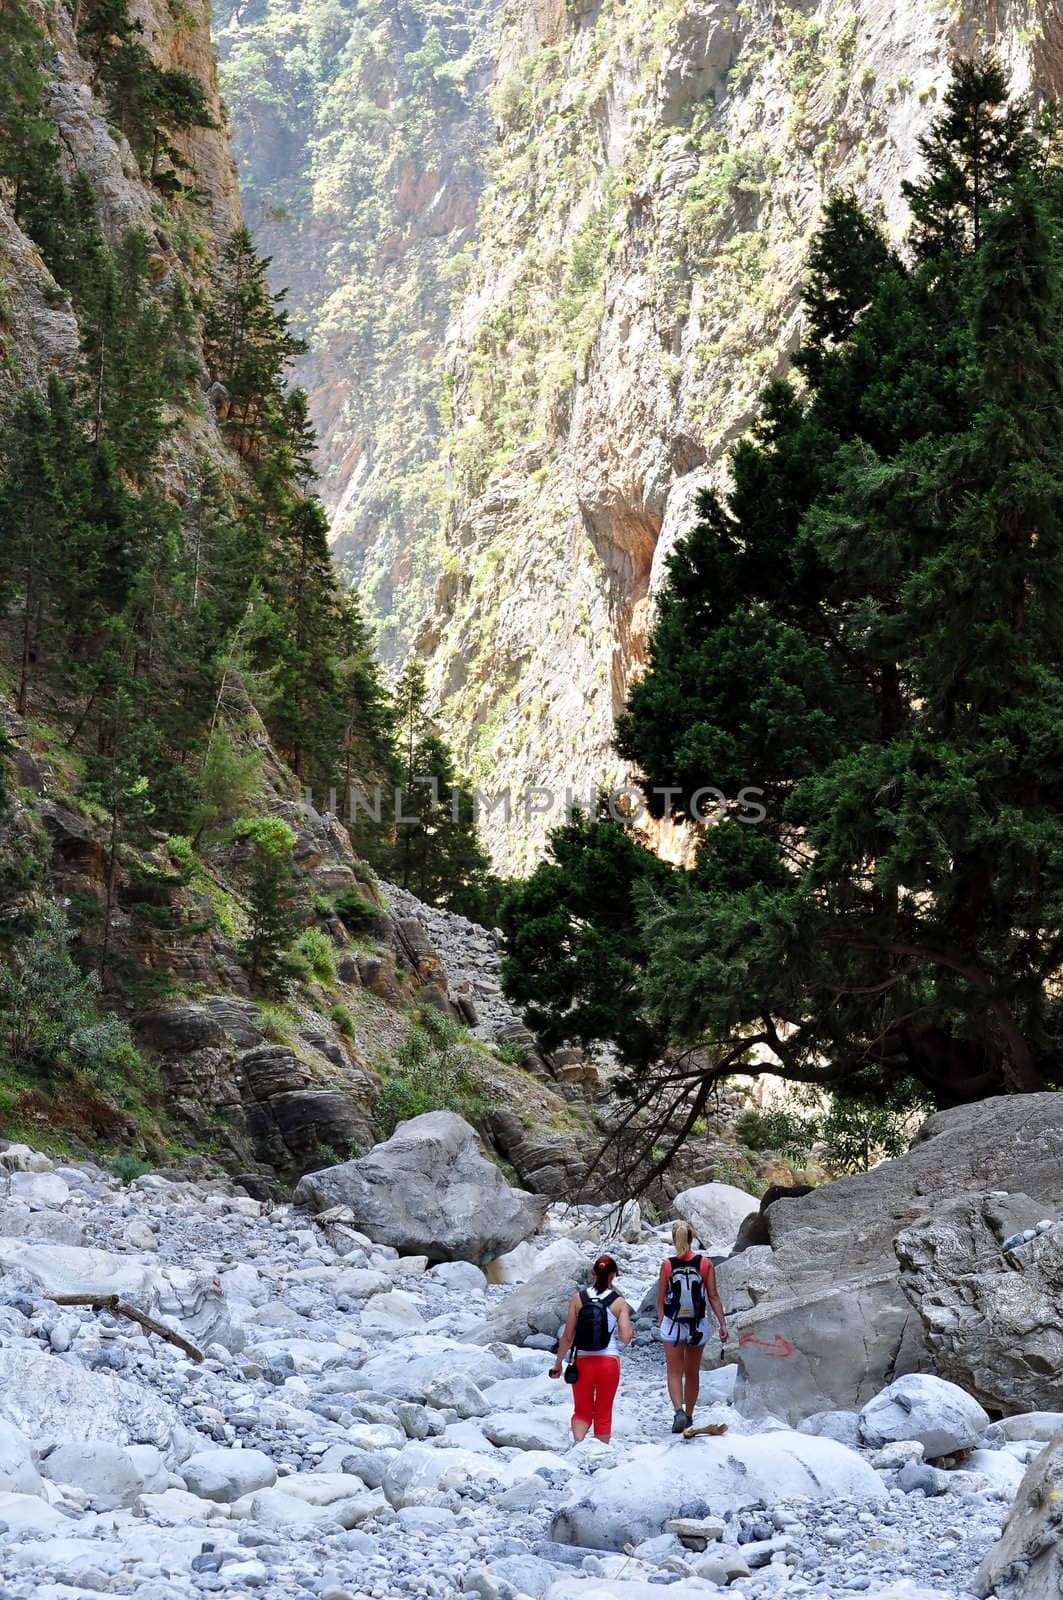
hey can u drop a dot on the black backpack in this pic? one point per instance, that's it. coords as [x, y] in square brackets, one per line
[592, 1322]
[684, 1299]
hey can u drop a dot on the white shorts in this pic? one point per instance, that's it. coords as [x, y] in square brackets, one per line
[683, 1332]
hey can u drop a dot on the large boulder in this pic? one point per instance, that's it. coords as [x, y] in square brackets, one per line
[993, 1320]
[939, 1415]
[832, 1277]
[832, 1349]
[538, 1306]
[192, 1302]
[1026, 1563]
[54, 1404]
[633, 1501]
[429, 1190]
[715, 1211]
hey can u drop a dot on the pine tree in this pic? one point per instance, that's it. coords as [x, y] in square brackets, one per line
[248, 344]
[274, 910]
[29, 153]
[436, 851]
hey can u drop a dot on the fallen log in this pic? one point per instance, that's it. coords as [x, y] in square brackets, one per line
[121, 1308]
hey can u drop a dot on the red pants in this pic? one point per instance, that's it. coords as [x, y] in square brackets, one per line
[594, 1391]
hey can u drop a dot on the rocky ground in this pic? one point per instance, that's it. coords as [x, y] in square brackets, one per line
[359, 1429]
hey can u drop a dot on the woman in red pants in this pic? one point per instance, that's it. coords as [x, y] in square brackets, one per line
[597, 1326]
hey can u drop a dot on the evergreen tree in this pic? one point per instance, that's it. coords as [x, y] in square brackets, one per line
[29, 153]
[248, 345]
[435, 852]
[274, 910]
[867, 628]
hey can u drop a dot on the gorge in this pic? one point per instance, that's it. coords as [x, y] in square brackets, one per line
[547, 257]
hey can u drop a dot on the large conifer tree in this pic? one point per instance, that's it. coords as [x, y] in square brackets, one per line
[869, 627]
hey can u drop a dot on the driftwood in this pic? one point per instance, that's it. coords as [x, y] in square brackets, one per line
[120, 1308]
[713, 1428]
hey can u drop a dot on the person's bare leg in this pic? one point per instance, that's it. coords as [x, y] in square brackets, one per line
[692, 1354]
[580, 1429]
[673, 1360]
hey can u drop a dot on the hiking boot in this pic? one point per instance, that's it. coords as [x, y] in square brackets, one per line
[680, 1421]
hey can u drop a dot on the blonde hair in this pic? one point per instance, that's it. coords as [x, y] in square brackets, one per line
[682, 1236]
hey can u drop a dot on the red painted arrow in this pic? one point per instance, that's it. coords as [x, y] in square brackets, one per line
[778, 1347]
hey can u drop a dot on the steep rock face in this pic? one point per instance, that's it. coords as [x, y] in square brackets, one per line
[39, 332]
[362, 131]
[620, 261]
[658, 174]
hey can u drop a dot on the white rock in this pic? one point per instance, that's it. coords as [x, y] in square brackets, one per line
[193, 1301]
[1042, 1425]
[919, 1406]
[20, 1158]
[522, 1431]
[175, 1507]
[227, 1475]
[630, 1228]
[53, 1403]
[455, 1392]
[106, 1472]
[26, 1513]
[394, 1311]
[463, 1276]
[1001, 1470]
[516, 1266]
[715, 1211]
[18, 1472]
[245, 1282]
[322, 1488]
[358, 1283]
[39, 1189]
[580, 1588]
[636, 1499]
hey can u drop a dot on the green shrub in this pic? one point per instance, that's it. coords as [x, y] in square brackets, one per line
[512, 1054]
[126, 1167]
[276, 1023]
[776, 1128]
[343, 1021]
[313, 955]
[50, 1016]
[432, 1071]
[357, 914]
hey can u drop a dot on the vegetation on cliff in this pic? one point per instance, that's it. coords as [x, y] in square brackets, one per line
[175, 643]
[868, 628]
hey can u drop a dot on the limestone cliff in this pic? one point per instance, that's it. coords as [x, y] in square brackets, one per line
[39, 332]
[629, 283]
[658, 173]
[362, 131]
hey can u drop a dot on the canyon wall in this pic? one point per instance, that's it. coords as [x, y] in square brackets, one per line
[629, 282]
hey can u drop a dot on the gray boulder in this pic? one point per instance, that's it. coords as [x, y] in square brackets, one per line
[993, 1320]
[429, 1190]
[939, 1415]
[536, 1307]
[226, 1475]
[715, 1211]
[1026, 1563]
[826, 1321]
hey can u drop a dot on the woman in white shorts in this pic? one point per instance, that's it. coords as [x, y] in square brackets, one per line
[686, 1292]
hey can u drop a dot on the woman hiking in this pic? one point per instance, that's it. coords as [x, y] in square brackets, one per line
[598, 1324]
[686, 1289]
